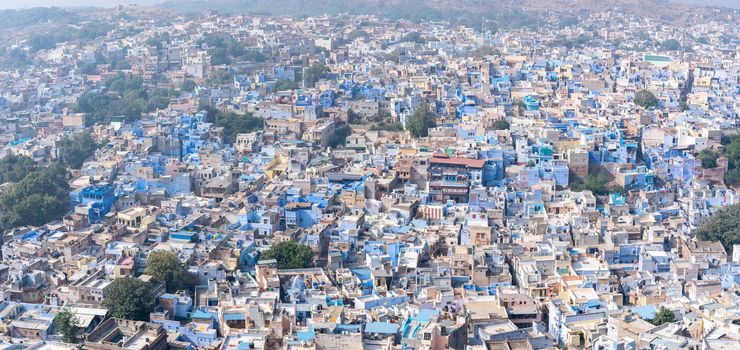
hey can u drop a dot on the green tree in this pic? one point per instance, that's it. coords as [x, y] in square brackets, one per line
[67, 325]
[284, 84]
[387, 126]
[732, 177]
[188, 86]
[77, 148]
[219, 56]
[381, 121]
[88, 69]
[645, 99]
[314, 73]
[119, 65]
[596, 184]
[732, 152]
[723, 227]
[155, 42]
[126, 97]
[47, 41]
[568, 21]
[234, 48]
[41, 196]
[51, 180]
[357, 33]
[484, 51]
[289, 255]
[159, 99]
[253, 56]
[224, 49]
[38, 209]
[708, 158]
[14, 168]
[501, 124]
[129, 298]
[212, 40]
[413, 37]
[36, 15]
[234, 124]
[419, 122]
[664, 315]
[339, 138]
[354, 118]
[167, 267]
[220, 77]
[521, 104]
[122, 84]
[92, 30]
[14, 59]
[392, 57]
[670, 45]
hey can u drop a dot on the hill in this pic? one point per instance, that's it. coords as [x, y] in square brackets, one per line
[500, 13]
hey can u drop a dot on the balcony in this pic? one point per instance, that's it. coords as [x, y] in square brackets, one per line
[458, 184]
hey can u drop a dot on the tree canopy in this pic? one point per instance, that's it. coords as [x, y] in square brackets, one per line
[14, 168]
[216, 45]
[723, 226]
[284, 84]
[155, 42]
[67, 325]
[484, 51]
[220, 77]
[77, 148]
[129, 298]
[234, 124]
[670, 45]
[50, 39]
[491, 14]
[384, 121]
[167, 267]
[36, 15]
[126, 97]
[645, 99]
[188, 86]
[224, 49]
[413, 37]
[420, 121]
[708, 158]
[339, 138]
[381, 121]
[40, 197]
[664, 315]
[596, 184]
[501, 124]
[732, 152]
[357, 33]
[314, 73]
[289, 255]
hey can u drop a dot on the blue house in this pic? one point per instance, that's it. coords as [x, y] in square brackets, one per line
[378, 248]
[530, 103]
[97, 200]
[249, 255]
[183, 236]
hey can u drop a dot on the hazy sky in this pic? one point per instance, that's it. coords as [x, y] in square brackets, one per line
[15, 4]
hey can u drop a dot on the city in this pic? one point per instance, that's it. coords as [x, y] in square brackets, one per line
[402, 176]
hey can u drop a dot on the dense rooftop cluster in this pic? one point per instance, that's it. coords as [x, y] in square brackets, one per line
[273, 182]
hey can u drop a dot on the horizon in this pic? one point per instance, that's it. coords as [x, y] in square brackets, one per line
[26, 4]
